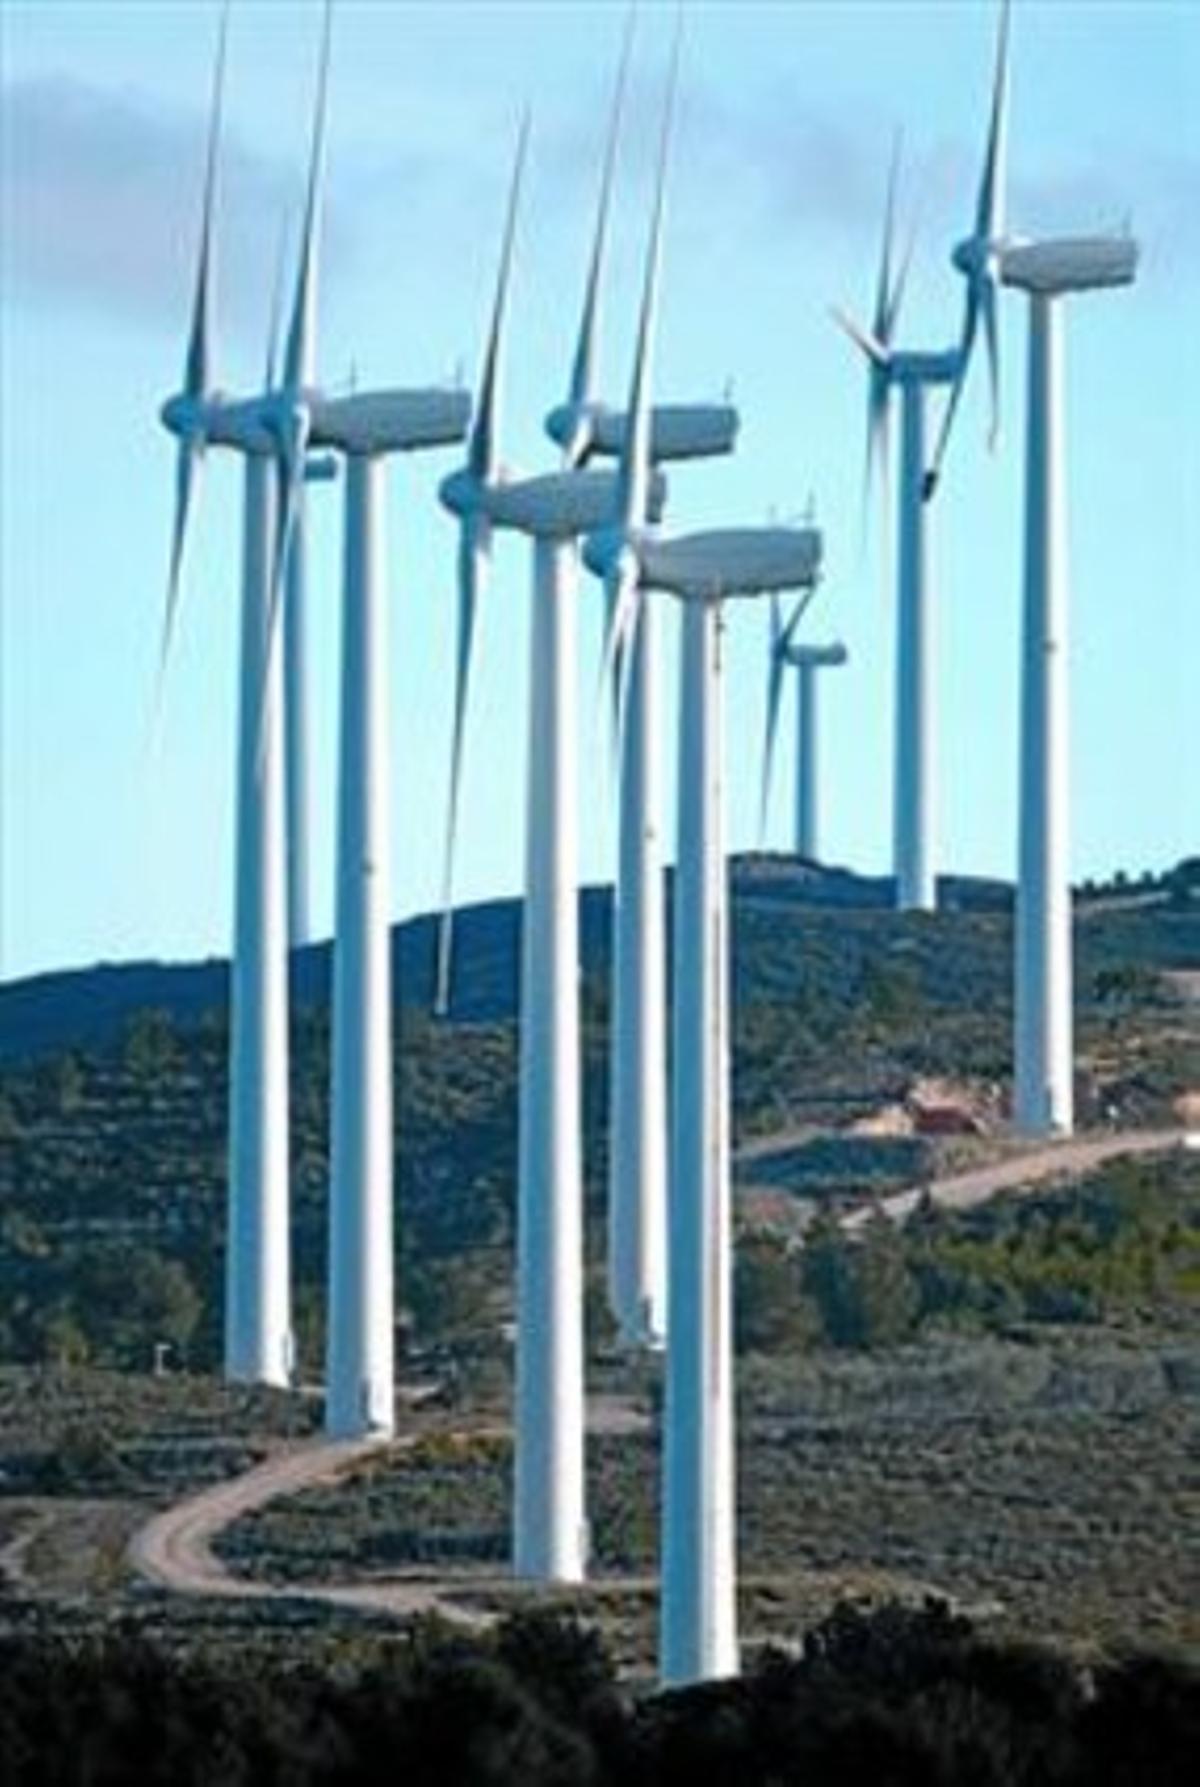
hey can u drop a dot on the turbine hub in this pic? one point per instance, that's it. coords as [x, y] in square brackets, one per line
[461, 493]
[570, 426]
[603, 550]
[977, 255]
[181, 415]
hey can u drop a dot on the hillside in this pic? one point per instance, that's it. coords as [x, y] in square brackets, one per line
[113, 1091]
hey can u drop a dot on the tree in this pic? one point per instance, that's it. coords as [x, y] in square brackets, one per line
[132, 1300]
[887, 1291]
[70, 1085]
[863, 1289]
[151, 1049]
[63, 1340]
[771, 1312]
[827, 1275]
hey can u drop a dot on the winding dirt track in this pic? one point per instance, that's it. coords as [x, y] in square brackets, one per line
[174, 1550]
[1023, 1172]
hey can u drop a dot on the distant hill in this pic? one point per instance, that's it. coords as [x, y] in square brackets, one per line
[82, 1007]
[114, 1086]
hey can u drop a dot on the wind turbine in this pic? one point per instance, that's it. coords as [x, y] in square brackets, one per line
[550, 1536]
[257, 1315]
[585, 427]
[366, 427]
[699, 1623]
[1043, 1042]
[807, 660]
[291, 418]
[913, 374]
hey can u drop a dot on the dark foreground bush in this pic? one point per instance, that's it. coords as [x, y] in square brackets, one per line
[893, 1699]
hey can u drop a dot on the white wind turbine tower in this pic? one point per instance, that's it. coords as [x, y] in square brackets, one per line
[550, 1538]
[637, 1213]
[914, 374]
[807, 661]
[699, 1621]
[366, 427]
[1043, 1043]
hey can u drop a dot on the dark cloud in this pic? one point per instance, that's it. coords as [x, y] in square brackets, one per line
[101, 207]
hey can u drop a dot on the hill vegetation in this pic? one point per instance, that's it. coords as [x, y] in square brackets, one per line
[113, 1116]
[1001, 1408]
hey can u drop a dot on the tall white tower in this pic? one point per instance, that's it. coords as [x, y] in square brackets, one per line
[699, 1577]
[366, 427]
[359, 1363]
[810, 660]
[257, 1318]
[1044, 1047]
[258, 1344]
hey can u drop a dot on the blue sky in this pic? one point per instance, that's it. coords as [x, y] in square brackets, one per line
[113, 851]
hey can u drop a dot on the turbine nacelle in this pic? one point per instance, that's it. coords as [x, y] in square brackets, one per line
[718, 563]
[1070, 264]
[677, 430]
[390, 421]
[559, 505]
[321, 468]
[912, 368]
[820, 657]
[246, 424]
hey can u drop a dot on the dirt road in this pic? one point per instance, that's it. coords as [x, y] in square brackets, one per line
[175, 1549]
[1023, 1173]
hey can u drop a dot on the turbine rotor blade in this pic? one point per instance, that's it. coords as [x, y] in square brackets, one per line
[981, 279]
[878, 397]
[298, 370]
[622, 601]
[634, 476]
[292, 429]
[797, 615]
[775, 672]
[869, 343]
[896, 299]
[965, 348]
[583, 368]
[989, 219]
[186, 479]
[276, 322]
[197, 367]
[883, 283]
[481, 450]
[992, 336]
[474, 556]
